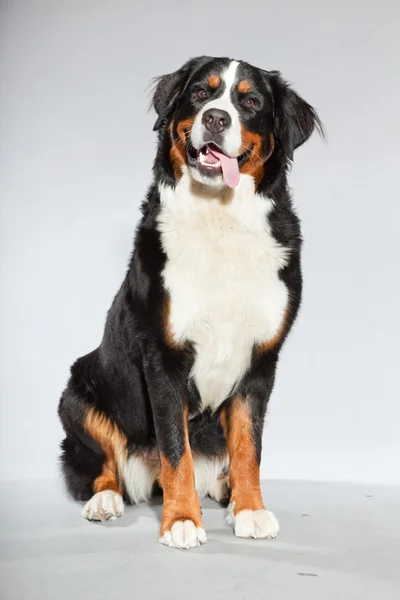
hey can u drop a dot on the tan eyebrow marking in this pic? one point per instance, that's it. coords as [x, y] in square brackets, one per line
[214, 80]
[244, 86]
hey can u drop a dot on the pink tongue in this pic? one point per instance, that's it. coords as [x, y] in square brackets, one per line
[230, 168]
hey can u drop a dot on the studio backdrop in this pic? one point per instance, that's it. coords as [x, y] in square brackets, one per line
[76, 152]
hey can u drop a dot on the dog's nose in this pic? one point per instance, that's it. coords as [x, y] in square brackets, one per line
[216, 120]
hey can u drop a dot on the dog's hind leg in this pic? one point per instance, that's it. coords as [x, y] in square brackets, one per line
[107, 502]
[93, 457]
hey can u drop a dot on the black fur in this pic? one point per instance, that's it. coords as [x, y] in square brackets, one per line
[134, 377]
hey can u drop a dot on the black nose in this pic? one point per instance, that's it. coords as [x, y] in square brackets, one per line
[216, 120]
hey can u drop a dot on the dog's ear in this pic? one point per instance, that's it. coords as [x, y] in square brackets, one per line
[166, 94]
[294, 119]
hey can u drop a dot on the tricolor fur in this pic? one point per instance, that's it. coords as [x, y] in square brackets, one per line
[177, 391]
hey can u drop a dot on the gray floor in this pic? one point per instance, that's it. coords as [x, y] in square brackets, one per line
[337, 541]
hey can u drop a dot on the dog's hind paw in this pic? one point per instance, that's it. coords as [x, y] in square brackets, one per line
[104, 506]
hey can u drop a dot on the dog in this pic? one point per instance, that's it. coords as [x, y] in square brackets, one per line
[176, 394]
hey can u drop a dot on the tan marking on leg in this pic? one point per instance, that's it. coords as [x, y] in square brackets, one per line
[181, 501]
[244, 470]
[114, 444]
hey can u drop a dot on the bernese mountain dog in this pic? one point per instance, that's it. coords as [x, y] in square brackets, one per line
[176, 394]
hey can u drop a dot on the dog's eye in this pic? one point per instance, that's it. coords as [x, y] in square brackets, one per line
[249, 103]
[202, 94]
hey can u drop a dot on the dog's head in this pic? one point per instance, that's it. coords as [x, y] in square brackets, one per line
[221, 118]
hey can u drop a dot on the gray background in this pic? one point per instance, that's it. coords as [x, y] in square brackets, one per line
[76, 150]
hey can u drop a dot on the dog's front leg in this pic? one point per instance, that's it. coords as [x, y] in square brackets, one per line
[181, 523]
[242, 424]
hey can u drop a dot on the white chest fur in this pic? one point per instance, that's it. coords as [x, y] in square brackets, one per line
[222, 277]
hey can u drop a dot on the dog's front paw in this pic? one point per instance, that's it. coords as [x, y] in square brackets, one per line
[255, 524]
[184, 535]
[104, 506]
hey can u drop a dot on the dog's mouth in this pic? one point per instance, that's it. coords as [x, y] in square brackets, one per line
[212, 162]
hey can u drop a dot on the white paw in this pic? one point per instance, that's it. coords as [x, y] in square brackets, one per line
[104, 506]
[256, 524]
[184, 535]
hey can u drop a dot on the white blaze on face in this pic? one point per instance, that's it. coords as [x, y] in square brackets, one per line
[232, 136]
